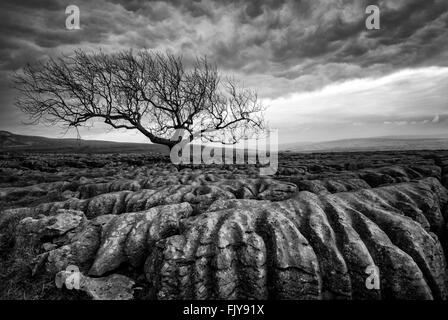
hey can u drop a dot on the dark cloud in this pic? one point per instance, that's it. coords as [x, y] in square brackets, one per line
[37, 5]
[282, 34]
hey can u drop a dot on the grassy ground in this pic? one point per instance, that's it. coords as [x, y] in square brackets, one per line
[16, 279]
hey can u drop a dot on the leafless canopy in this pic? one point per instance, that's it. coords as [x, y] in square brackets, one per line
[151, 92]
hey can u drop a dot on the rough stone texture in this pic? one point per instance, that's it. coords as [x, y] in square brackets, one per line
[33, 190]
[67, 238]
[128, 237]
[332, 185]
[309, 232]
[113, 287]
[201, 196]
[309, 247]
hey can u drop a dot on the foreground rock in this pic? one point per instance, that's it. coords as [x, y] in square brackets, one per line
[326, 225]
[113, 287]
[308, 247]
[129, 237]
[200, 196]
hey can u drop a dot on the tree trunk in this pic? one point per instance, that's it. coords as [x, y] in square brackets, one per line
[157, 140]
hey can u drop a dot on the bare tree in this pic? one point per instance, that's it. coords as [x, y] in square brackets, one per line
[151, 92]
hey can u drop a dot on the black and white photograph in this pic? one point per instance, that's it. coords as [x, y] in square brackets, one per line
[223, 151]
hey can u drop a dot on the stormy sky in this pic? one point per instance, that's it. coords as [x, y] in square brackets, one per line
[323, 75]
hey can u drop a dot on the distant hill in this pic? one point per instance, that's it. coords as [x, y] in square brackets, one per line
[388, 143]
[10, 142]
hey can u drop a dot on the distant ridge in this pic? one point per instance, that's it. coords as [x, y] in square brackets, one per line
[387, 143]
[10, 142]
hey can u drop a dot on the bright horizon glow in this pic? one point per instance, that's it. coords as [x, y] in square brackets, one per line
[402, 103]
